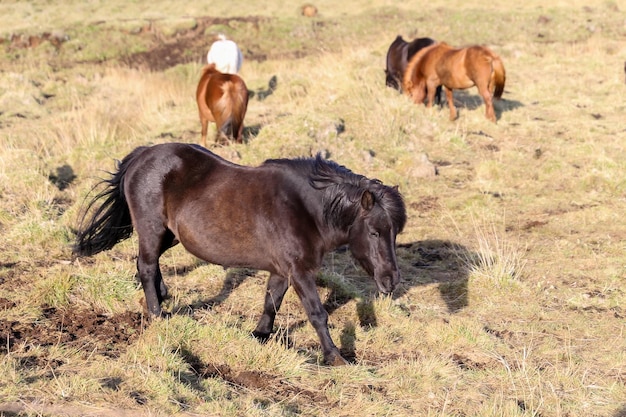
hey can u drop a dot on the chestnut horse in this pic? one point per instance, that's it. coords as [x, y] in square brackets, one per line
[223, 99]
[281, 217]
[441, 64]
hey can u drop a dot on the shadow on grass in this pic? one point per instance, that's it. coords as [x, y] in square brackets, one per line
[429, 262]
[464, 99]
[234, 278]
[439, 262]
[620, 412]
[250, 132]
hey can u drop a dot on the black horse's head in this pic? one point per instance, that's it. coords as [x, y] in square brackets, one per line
[371, 214]
[391, 80]
[372, 236]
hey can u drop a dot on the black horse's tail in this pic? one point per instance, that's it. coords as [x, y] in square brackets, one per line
[110, 222]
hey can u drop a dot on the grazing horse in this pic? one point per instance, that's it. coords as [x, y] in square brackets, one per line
[281, 217]
[223, 99]
[226, 55]
[441, 64]
[398, 56]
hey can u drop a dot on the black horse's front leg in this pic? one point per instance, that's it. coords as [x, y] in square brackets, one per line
[276, 289]
[307, 291]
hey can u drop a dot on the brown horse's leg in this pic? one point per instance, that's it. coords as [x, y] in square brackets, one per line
[419, 92]
[205, 127]
[307, 291]
[450, 98]
[276, 289]
[431, 89]
[486, 95]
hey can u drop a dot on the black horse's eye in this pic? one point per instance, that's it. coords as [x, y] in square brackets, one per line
[374, 234]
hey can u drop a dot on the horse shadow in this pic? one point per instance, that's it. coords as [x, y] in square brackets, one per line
[620, 412]
[251, 132]
[464, 99]
[234, 278]
[261, 94]
[430, 262]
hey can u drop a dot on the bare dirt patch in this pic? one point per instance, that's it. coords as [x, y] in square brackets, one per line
[168, 48]
[107, 334]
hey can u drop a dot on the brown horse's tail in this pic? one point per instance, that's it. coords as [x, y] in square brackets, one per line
[232, 106]
[498, 77]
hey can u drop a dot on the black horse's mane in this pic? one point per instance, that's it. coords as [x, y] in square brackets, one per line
[343, 190]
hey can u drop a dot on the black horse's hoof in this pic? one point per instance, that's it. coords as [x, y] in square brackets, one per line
[335, 360]
[262, 337]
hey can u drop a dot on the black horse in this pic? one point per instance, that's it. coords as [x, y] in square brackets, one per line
[281, 217]
[399, 54]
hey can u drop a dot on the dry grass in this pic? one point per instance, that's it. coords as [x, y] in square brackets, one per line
[512, 301]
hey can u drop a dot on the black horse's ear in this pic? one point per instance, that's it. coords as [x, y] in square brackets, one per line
[367, 200]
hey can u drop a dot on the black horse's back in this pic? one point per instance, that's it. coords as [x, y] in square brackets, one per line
[416, 45]
[110, 222]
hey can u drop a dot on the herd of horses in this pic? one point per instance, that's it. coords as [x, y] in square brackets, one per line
[282, 216]
[421, 67]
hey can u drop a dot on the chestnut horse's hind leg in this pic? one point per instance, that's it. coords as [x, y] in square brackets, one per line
[483, 89]
[450, 98]
[276, 288]
[205, 127]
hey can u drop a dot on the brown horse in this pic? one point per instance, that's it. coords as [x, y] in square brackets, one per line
[223, 99]
[441, 64]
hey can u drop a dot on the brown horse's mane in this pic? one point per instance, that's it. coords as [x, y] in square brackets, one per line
[409, 80]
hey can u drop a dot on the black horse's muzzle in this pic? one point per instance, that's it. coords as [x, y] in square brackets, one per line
[388, 282]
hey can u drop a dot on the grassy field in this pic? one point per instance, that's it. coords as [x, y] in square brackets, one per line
[513, 260]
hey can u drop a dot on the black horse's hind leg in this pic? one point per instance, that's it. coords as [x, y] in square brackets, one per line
[149, 275]
[167, 242]
[150, 249]
[438, 99]
[276, 289]
[307, 291]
